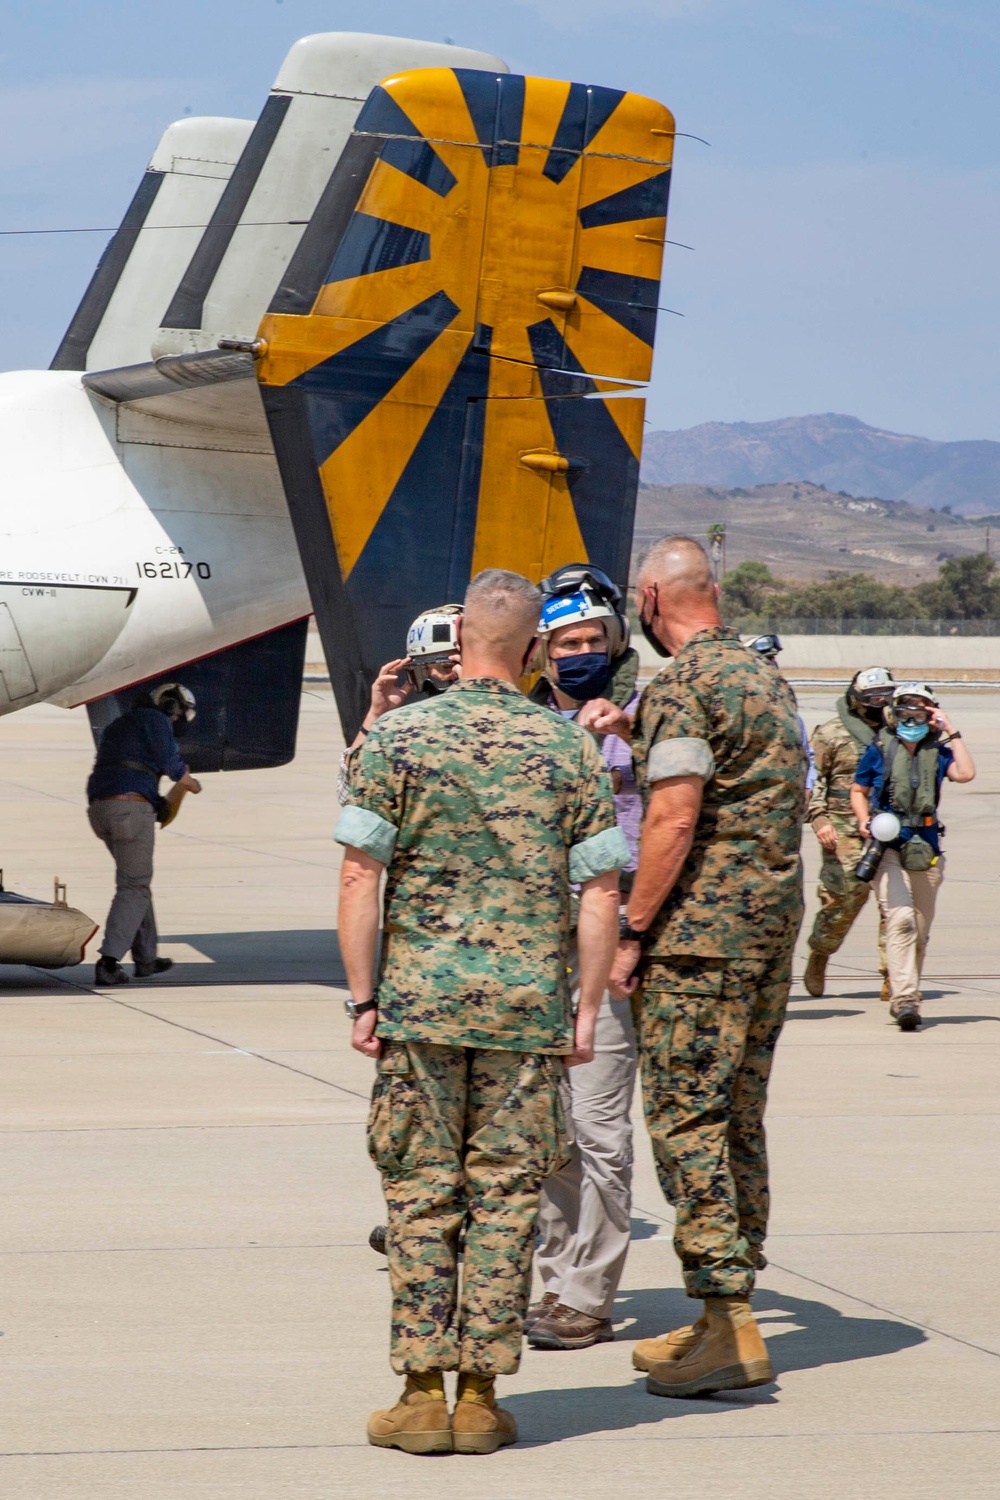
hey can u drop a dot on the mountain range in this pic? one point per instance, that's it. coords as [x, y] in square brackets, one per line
[840, 453]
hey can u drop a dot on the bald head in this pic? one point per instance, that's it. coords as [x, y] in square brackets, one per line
[499, 621]
[680, 566]
[677, 592]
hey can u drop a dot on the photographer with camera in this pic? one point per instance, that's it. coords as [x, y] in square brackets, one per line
[901, 772]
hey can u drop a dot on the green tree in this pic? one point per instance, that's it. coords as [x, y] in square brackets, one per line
[745, 590]
[965, 589]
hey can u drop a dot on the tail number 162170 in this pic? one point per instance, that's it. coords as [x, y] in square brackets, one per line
[179, 568]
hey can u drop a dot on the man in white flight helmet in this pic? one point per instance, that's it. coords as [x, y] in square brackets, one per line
[429, 666]
[584, 1222]
[838, 746]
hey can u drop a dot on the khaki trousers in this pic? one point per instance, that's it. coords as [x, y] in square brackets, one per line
[585, 1217]
[906, 900]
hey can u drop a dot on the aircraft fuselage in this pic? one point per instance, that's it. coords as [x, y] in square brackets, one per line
[130, 544]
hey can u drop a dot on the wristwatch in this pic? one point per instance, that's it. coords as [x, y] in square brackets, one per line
[626, 933]
[354, 1010]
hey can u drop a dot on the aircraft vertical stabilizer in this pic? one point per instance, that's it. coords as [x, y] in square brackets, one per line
[441, 360]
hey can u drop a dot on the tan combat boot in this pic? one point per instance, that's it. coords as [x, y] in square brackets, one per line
[885, 995]
[478, 1424]
[814, 977]
[650, 1352]
[729, 1356]
[418, 1423]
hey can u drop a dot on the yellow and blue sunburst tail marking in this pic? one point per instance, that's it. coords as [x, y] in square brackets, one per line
[445, 355]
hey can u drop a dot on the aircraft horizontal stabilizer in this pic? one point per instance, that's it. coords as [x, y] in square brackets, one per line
[442, 359]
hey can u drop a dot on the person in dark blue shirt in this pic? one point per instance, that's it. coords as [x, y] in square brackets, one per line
[902, 771]
[124, 801]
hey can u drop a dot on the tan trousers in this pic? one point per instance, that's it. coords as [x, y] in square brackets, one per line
[906, 900]
[585, 1217]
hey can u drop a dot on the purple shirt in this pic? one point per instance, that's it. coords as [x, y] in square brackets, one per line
[628, 802]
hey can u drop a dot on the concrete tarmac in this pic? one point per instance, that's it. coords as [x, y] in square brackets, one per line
[189, 1304]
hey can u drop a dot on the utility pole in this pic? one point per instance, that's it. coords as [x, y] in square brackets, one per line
[717, 549]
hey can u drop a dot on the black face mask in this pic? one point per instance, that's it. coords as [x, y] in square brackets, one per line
[647, 630]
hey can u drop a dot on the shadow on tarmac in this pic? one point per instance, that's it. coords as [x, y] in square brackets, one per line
[289, 956]
[820, 1015]
[817, 1335]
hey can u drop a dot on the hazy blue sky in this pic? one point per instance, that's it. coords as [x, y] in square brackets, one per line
[846, 217]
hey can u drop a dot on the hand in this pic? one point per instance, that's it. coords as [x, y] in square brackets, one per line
[827, 835]
[363, 1038]
[190, 784]
[583, 1045]
[387, 692]
[622, 980]
[865, 829]
[602, 717]
[940, 721]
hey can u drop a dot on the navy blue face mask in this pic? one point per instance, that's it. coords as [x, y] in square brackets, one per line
[585, 676]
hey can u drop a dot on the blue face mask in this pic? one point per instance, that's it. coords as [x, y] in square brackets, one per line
[585, 676]
[912, 733]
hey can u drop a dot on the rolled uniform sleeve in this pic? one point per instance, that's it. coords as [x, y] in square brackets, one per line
[371, 821]
[598, 844]
[680, 756]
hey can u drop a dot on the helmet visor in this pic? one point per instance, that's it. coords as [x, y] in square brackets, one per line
[571, 579]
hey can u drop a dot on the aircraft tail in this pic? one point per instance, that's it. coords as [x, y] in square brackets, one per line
[221, 208]
[441, 360]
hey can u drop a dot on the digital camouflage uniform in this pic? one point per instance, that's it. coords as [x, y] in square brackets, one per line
[838, 745]
[716, 964]
[483, 807]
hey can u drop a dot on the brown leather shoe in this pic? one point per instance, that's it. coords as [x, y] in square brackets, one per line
[730, 1355]
[565, 1328]
[650, 1352]
[418, 1423]
[814, 977]
[478, 1425]
[539, 1309]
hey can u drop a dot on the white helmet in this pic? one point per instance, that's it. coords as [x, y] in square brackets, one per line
[872, 680]
[175, 700]
[914, 690]
[432, 641]
[580, 591]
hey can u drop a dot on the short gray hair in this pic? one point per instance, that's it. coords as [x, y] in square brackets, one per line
[501, 609]
[500, 590]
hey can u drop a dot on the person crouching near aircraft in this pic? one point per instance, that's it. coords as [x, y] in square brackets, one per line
[431, 665]
[480, 808]
[584, 1222]
[901, 772]
[838, 746]
[124, 801]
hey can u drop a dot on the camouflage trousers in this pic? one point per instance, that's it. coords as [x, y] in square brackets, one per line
[464, 1139]
[841, 894]
[707, 1031]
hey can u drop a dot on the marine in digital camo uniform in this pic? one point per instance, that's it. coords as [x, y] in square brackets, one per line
[710, 926]
[481, 807]
[838, 746]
